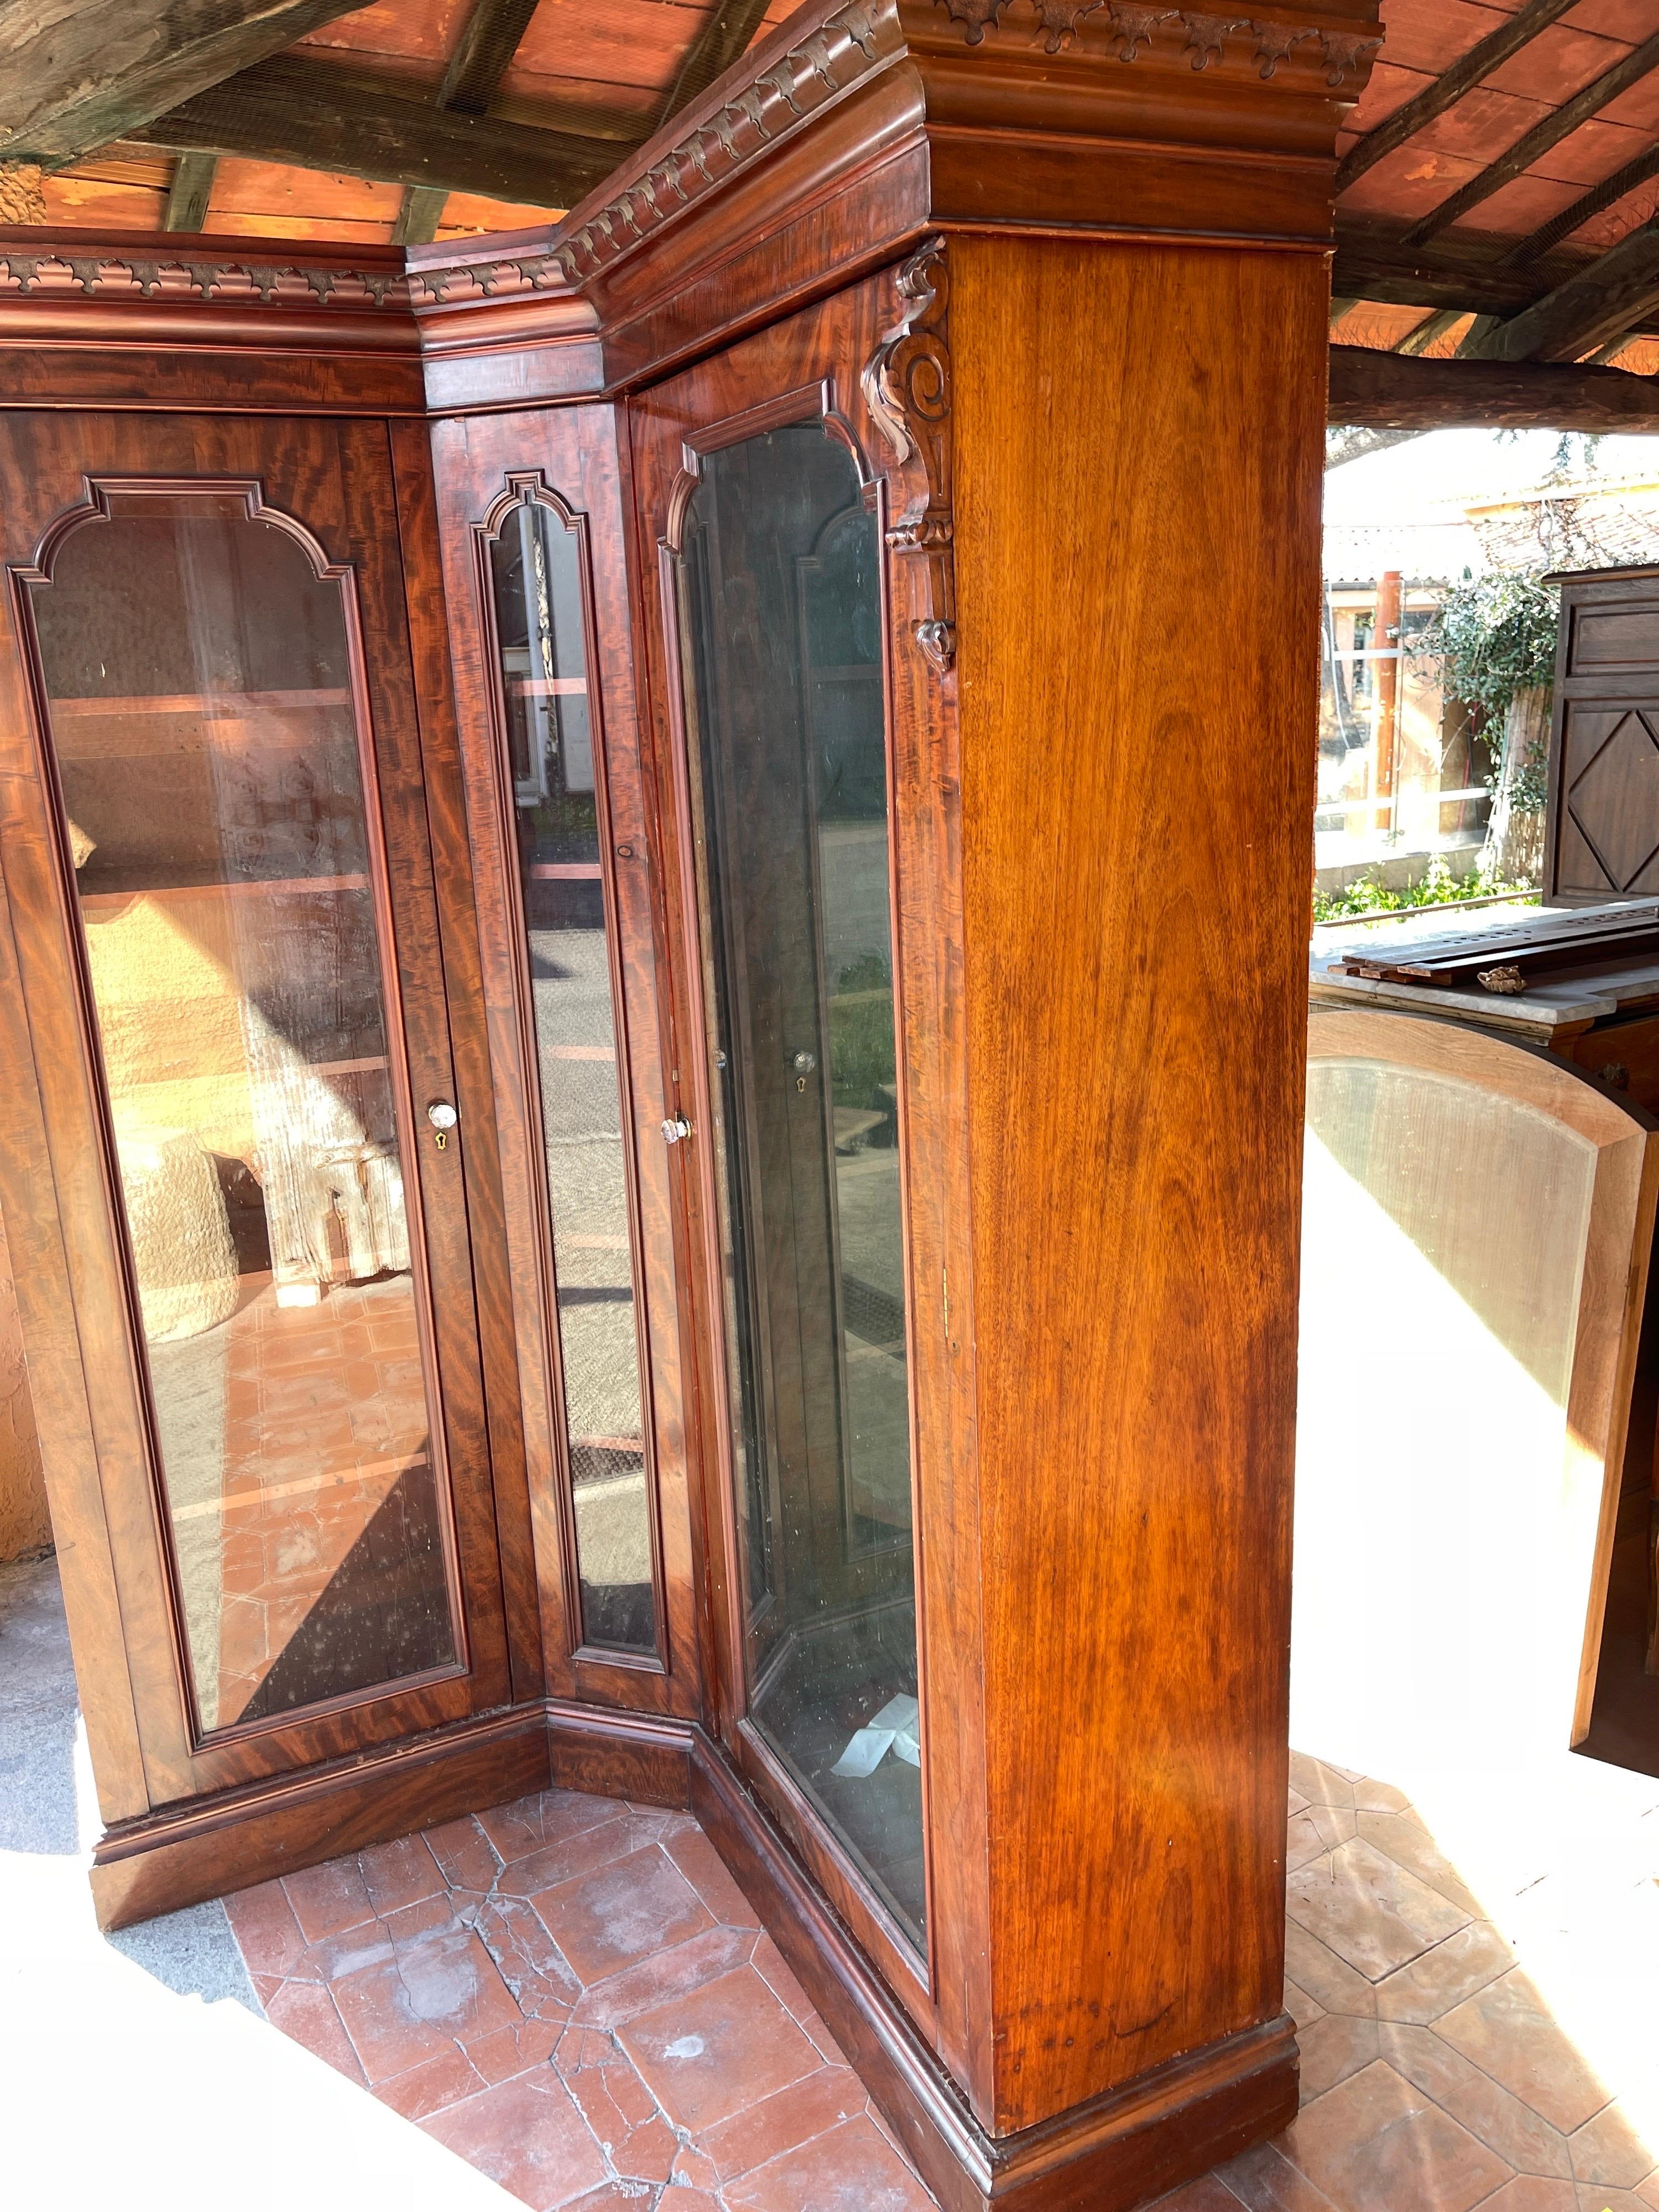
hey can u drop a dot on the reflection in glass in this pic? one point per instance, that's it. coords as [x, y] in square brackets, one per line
[539, 634]
[1439, 1600]
[199, 680]
[782, 638]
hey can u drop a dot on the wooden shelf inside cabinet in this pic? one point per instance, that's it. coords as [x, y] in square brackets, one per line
[267, 887]
[218, 705]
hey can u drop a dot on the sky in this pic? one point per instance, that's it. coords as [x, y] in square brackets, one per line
[1408, 482]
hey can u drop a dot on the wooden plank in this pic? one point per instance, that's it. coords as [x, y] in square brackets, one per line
[725, 36]
[1613, 295]
[1394, 391]
[320, 117]
[193, 187]
[73, 78]
[1538, 141]
[1513, 33]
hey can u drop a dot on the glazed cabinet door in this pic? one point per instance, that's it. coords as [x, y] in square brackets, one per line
[221, 808]
[788, 684]
[566, 855]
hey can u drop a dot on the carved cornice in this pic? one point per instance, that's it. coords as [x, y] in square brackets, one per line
[142, 276]
[489, 278]
[1129, 29]
[906, 388]
[847, 44]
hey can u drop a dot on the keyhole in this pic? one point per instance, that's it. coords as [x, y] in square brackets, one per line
[800, 1083]
[441, 1138]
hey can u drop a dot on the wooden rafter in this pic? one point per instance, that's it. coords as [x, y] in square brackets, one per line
[1392, 391]
[318, 117]
[480, 61]
[1611, 188]
[725, 36]
[1430, 328]
[1537, 141]
[192, 188]
[1612, 296]
[1444, 91]
[71, 79]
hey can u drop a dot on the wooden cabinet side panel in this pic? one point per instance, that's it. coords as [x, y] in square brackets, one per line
[1138, 433]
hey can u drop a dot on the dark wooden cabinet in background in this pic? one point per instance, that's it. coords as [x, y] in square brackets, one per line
[1601, 830]
[656, 966]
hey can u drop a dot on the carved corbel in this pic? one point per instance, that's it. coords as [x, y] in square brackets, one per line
[906, 387]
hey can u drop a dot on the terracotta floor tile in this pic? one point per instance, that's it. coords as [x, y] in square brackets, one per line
[781, 2122]
[606, 1920]
[625, 2116]
[1318, 1784]
[400, 1873]
[1375, 2144]
[1506, 2029]
[704, 1869]
[431, 2086]
[436, 1992]
[775, 1970]
[1611, 2148]
[337, 1956]
[1444, 1976]
[1303, 2009]
[1314, 1831]
[1527, 2193]
[548, 1817]
[689, 1966]
[506, 2051]
[725, 2047]
[328, 1898]
[1332, 2048]
[306, 2012]
[525, 1956]
[851, 2169]
[1329, 1979]
[465, 1854]
[1368, 1910]
[527, 2135]
[1266, 2181]
[574, 1856]
[1519, 2136]
[693, 2170]
[823, 2042]
[1409, 1844]
[1371, 1797]
[264, 1924]
[1207, 2195]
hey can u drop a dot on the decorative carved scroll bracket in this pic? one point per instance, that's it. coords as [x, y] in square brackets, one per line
[906, 388]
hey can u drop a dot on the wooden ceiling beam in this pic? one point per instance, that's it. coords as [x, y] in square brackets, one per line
[1398, 392]
[317, 118]
[1537, 141]
[482, 58]
[72, 78]
[725, 36]
[1611, 188]
[1614, 295]
[1445, 90]
[191, 189]
[1373, 262]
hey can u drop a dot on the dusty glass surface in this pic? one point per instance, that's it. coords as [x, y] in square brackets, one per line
[201, 713]
[782, 639]
[540, 636]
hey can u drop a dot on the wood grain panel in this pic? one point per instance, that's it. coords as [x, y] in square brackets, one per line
[1135, 809]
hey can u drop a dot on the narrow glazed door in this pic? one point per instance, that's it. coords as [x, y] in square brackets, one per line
[780, 617]
[242, 840]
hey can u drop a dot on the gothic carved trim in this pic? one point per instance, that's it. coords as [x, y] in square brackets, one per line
[846, 45]
[906, 388]
[1129, 27]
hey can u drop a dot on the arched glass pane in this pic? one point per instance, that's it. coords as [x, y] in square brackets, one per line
[782, 646]
[541, 636]
[198, 683]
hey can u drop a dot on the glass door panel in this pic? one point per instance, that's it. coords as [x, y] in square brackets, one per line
[781, 642]
[209, 745]
[539, 596]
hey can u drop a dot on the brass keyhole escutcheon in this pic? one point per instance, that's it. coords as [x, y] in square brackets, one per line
[800, 1083]
[441, 1138]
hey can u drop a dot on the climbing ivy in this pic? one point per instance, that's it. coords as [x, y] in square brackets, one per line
[1496, 636]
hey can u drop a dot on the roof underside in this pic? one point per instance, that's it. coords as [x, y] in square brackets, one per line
[1498, 190]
